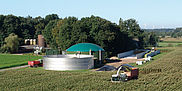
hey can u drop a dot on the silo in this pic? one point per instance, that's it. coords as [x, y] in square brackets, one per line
[31, 41]
[41, 42]
[34, 41]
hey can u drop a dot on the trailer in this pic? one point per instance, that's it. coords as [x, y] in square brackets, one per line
[36, 63]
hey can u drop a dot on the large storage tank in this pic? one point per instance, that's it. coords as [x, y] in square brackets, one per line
[68, 62]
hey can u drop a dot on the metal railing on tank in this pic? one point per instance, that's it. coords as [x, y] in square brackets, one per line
[52, 52]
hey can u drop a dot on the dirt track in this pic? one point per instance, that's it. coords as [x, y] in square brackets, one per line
[115, 64]
[14, 68]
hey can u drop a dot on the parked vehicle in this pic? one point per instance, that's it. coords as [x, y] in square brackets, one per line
[125, 72]
[36, 63]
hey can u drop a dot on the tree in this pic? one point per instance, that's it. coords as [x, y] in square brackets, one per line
[39, 25]
[121, 24]
[132, 27]
[66, 39]
[144, 40]
[11, 44]
[148, 39]
[153, 39]
[47, 32]
[2, 33]
[51, 17]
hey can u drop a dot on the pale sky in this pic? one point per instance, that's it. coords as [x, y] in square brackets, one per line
[148, 13]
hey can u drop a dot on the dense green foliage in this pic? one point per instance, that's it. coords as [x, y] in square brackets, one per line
[7, 60]
[131, 27]
[66, 32]
[177, 33]
[25, 28]
[62, 33]
[163, 73]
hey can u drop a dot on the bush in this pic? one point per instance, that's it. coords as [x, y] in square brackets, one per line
[12, 44]
[5, 49]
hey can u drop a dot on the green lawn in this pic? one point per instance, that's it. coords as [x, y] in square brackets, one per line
[149, 62]
[164, 73]
[9, 60]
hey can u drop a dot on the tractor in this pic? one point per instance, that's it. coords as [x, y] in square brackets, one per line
[125, 72]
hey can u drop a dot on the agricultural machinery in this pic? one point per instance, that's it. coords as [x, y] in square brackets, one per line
[125, 72]
[36, 63]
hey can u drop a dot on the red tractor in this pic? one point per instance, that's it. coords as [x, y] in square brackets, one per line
[125, 72]
[35, 63]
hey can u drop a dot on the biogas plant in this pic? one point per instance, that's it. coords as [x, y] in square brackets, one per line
[78, 56]
[89, 56]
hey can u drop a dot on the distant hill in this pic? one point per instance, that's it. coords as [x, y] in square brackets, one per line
[159, 30]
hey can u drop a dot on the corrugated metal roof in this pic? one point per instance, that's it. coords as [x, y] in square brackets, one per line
[85, 47]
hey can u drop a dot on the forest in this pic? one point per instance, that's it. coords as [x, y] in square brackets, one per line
[61, 33]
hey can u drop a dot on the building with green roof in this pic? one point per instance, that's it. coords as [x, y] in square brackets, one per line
[87, 48]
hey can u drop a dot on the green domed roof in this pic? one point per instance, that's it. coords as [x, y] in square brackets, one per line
[85, 47]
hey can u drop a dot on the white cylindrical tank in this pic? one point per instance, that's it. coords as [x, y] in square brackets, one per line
[68, 62]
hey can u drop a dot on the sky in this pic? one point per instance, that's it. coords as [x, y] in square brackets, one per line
[149, 13]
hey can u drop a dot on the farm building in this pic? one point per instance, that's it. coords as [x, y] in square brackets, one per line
[87, 48]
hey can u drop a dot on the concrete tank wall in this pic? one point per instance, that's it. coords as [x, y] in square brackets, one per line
[154, 53]
[68, 62]
[140, 55]
[131, 54]
[124, 54]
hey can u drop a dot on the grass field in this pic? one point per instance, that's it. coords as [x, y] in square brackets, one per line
[169, 39]
[164, 73]
[169, 44]
[150, 62]
[8, 60]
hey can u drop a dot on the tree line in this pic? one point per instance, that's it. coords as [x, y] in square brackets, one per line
[23, 27]
[62, 33]
[174, 33]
